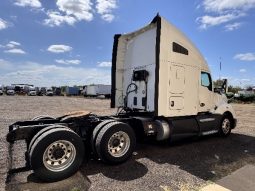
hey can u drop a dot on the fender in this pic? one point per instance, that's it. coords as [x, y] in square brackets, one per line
[224, 107]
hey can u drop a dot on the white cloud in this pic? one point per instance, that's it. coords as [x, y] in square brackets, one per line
[28, 3]
[105, 8]
[226, 5]
[108, 17]
[68, 62]
[207, 20]
[49, 75]
[3, 24]
[69, 12]
[224, 11]
[13, 47]
[15, 43]
[12, 44]
[242, 70]
[233, 26]
[104, 64]
[56, 19]
[245, 57]
[59, 48]
[15, 51]
[80, 9]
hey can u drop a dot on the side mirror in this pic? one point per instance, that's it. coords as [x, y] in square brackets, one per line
[225, 85]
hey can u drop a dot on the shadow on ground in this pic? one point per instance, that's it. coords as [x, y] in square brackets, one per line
[77, 182]
[208, 158]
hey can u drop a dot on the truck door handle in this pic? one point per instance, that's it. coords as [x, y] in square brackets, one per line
[202, 104]
[172, 103]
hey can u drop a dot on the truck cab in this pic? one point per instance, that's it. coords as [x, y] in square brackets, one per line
[10, 90]
[49, 92]
[32, 91]
[157, 70]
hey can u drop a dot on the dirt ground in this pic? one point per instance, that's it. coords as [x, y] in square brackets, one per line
[182, 165]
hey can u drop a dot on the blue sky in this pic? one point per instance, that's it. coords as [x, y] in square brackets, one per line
[67, 42]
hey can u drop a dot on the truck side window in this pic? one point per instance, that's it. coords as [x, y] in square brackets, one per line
[180, 49]
[206, 80]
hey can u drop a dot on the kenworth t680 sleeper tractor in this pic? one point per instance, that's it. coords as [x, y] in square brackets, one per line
[162, 87]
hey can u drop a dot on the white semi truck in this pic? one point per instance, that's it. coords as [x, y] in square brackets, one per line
[163, 88]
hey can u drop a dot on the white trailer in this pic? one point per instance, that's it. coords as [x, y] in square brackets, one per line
[163, 88]
[97, 90]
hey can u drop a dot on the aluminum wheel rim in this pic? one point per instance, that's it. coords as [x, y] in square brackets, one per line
[118, 144]
[59, 155]
[225, 126]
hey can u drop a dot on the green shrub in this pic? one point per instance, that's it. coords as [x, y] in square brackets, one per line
[247, 97]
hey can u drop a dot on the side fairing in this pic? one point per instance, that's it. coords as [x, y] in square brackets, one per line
[135, 52]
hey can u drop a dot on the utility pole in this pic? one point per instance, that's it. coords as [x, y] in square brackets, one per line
[220, 70]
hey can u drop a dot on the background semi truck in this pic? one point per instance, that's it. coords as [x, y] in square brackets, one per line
[162, 88]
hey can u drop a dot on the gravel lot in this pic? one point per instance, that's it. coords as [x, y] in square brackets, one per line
[182, 165]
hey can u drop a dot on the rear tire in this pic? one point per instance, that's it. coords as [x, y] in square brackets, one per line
[56, 154]
[115, 142]
[39, 133]
[95, 133]
[225, 126]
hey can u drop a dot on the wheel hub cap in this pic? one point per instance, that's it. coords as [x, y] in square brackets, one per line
[226, 126]
[59, 155]
[118, 144]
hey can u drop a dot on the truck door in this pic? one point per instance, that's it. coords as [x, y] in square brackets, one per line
[176, 87]
[205, 93]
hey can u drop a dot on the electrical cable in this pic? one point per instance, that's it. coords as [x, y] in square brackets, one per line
[127, 93]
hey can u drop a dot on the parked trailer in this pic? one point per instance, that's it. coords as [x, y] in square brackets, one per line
[72, 91]
[97, 90]
[163, 88]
